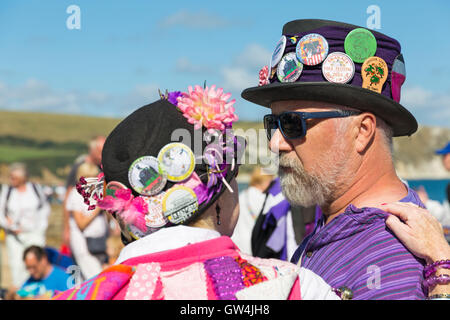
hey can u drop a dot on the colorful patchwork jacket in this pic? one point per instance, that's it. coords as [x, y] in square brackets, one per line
[212, 269]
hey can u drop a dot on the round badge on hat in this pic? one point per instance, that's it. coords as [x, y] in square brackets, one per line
[311, 49]
[177, 160]
[374, 72]
[146, 176]
[360, 44]
[179, 204]
[338, 68]
[155, 217]
[289, 69]
[111, 187]
[278, 52]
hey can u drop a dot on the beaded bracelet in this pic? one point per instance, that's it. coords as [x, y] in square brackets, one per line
[431, 268]
[440, 296]
[434, 280]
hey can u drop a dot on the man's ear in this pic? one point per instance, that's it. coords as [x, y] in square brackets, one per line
[366, 126]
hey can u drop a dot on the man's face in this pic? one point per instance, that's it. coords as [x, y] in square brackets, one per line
[36, 268]
[312, 169]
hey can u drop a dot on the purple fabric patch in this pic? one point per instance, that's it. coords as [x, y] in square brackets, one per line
[387, 49]
[226, 277]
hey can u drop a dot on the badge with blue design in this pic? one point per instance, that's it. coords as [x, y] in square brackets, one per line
[312, 49]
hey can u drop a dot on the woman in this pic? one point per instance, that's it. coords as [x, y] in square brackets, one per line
[88, 229]
[251, 202]
[177, 205]
[24, 212]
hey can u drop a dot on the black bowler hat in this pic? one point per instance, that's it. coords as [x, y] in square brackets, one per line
[312, 85]
[149, 129]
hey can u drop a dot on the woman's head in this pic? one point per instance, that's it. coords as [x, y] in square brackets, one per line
[171, 162]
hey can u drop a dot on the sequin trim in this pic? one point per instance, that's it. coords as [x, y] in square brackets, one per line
[226, 277]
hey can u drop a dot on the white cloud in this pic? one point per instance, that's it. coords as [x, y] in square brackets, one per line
[238, 78]
[36, 95]
[429, 107]
[244, 72]
[184, 65]
[253, 56]
[197, 20]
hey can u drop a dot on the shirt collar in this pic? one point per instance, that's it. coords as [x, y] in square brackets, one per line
[166, 239]
[353, 220]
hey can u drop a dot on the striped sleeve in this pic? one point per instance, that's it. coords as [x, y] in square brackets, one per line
[388, 271]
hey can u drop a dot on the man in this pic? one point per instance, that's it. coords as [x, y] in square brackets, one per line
[24, 212]
[332, 125]
[94, 156]
[44, 278]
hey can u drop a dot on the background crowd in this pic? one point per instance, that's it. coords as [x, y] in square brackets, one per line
[268, 227]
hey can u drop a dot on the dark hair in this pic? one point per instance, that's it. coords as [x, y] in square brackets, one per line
[37, 251]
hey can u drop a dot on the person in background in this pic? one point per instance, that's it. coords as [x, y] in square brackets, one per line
[440, 210]
[24, 212]
[94, 157]
[280, 226]
[251, 202]
[44, 279]
[88, 229]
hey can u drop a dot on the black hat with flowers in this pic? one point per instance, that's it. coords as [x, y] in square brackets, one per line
[181, 148]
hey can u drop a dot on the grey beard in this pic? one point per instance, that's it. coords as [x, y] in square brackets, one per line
[303, 189]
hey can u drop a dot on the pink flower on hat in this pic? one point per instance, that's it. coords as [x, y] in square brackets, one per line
[263, 76]
[207, 107]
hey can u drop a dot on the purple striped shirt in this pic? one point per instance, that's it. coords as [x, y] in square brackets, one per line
[358, 251]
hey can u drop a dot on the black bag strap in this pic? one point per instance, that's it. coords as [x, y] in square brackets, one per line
[39, 195]
[8, 194]
[259, 236]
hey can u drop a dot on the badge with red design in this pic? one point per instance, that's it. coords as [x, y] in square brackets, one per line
[312, 49]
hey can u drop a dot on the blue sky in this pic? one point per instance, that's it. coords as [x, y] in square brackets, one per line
[126, 50]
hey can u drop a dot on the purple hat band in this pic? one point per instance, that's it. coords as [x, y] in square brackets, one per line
[387, 49]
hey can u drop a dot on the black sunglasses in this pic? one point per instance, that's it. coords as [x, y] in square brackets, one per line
[293, 124]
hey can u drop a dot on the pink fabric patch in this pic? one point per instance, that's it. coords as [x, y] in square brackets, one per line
[143, 282]
[102, 287]
[188, 283]
[396, 87]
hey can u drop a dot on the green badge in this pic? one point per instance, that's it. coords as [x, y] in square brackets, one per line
[360, 44]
